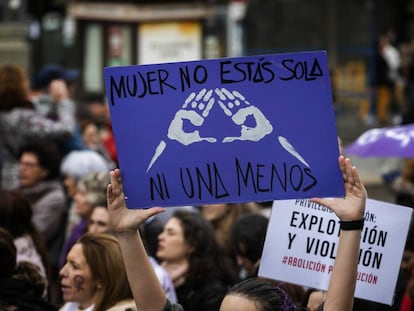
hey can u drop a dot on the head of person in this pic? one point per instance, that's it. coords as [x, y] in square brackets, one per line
[256, 295]
[248, 244]
[153, 227]
[99, 109]
[15, 213]
[181, 236]
[8, 254]
[79, 163]
[14, 87]
[88, 281]
[188, 237]
[51, 72]
[16, 218]
[215, 212]
[91, 192]
[39, 160]
[25, 273]
[99, 220]
[90, 133]
[218, 212]
[222, 216]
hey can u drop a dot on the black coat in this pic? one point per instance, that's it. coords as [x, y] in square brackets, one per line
[206, 297]
[22, 294]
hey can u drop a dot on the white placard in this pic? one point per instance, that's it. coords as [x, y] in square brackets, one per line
[302, 240]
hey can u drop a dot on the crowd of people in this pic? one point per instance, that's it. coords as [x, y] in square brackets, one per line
[391, 83]
[68, 241]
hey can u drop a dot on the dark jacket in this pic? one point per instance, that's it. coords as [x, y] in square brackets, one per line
[49, 215]
[206, 297]
[22, 294]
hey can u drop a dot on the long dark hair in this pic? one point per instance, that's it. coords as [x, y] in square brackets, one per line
[47, 154]
[206, 261]
[16, 218]
[13, 88]
[264, 293]
[249, 242]
[108, 270]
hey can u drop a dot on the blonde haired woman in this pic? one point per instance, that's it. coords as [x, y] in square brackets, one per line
[91, 284]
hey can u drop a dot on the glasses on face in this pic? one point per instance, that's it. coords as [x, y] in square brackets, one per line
[29, 165]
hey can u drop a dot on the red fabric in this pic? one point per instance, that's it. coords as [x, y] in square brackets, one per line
[405, 303]
[109, 144]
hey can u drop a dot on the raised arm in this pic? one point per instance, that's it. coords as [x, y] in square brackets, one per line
[350, 210]
[147, 291]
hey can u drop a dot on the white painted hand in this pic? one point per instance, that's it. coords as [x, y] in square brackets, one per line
[195, 109]
[239, 109]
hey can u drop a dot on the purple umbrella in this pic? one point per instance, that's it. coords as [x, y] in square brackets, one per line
[395, 141]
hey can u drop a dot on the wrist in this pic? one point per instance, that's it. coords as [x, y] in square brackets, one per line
[351, 224]
[125, 232]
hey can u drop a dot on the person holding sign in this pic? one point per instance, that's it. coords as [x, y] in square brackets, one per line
[350, 210]
[148, 293]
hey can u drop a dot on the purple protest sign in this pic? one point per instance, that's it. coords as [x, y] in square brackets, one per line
[255, 128]
[397, 141]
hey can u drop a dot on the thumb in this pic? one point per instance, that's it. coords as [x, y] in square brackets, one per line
[147, 213]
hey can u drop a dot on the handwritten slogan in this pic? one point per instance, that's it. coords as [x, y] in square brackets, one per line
[253, 128]
[307, 239]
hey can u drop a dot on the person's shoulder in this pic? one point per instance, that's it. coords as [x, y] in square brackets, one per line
[54, 190]
[19, 113]
[25, 118]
